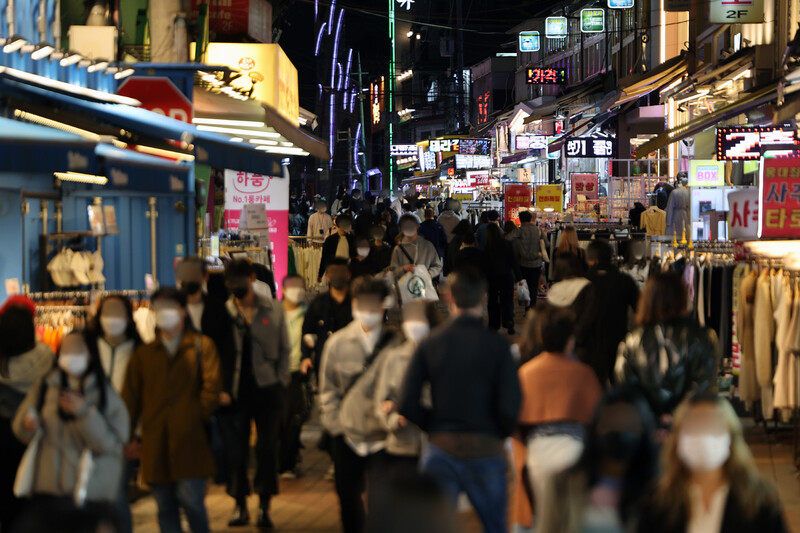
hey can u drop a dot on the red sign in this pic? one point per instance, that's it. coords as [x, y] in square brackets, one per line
[584, 184]
[158, 94]
[515, 198]
[780, 198]
[547, 76]
[478, 180]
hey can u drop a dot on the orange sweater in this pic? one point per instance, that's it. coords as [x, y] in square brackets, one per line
[557, 388]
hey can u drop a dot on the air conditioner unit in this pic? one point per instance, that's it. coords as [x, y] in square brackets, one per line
[94, 42]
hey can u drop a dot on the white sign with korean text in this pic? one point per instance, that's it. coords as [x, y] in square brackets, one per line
[736, 11]
[743, 216]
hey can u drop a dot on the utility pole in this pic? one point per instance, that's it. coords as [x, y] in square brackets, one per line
[392, 75]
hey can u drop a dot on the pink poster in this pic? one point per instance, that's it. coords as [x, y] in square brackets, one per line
[242, 188]
[584, 184]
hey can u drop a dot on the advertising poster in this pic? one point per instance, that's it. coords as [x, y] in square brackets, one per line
[743, 215]
[529, 41]
[516, 197]
[593, 20]
[706, 173]
[555, 27]
[779, 198]
[550, 198]
[584, 184]
[245, 188]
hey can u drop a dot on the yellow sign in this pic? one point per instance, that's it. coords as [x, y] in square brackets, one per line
[265, 69]
[464, 197]
[550, 198]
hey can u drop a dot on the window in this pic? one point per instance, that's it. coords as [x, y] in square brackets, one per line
[433, 91]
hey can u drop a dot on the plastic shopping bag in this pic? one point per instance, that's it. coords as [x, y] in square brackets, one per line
[26, 472]
[523, 292]
[416, 284]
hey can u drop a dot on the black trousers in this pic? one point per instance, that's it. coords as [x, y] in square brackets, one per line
[295, 414]
[11, 451]
[501, 301]
[531, 276]
[264, 406]
[353, 473]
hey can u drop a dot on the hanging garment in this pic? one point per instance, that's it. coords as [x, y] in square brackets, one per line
[654, 221]
[764, 327]
[679, 213]
[701, 296]
[739, 274]
[784, 380]
[749, 389]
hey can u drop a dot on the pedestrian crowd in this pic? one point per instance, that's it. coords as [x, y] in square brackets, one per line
[602, 417]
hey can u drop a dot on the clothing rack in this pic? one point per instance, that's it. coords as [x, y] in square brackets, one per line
[58, 308]
[74, 295]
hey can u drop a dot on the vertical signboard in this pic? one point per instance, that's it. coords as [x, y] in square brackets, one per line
[516, 197]
[550, 198]
[743, 215]
[779, 198]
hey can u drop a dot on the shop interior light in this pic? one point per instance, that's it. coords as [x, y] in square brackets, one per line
[124, 73]
[287, 144]
[774, 249]
[700, 93]
[77, 177]
[101, 64]
[70, 59]
[264, 142]
[227, 122]
[302, 120]
[240, 132]
[42, 50]
[43, 121]
[13, 44]
[410, 33]
[236, 139]
[160, 152]
[280, 150]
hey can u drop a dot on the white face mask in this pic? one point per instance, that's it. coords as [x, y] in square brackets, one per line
[409, 232]
[415, 330]
[168, 319]
[704, 453]
[74, 364]
[113, 326]
[368, 319]
[294, 294]
[362, 252]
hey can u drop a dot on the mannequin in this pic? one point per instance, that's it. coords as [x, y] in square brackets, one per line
[679, 210]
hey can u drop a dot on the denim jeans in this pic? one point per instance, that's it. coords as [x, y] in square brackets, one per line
[186, 494]
[482, 479]
[123, 505]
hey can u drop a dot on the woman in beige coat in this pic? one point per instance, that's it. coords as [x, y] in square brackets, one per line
[77, 411]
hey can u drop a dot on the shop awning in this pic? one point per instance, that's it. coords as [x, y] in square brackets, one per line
[514, 158]
[249, 117]
[635, 87]
[209, 148]
[136, 171]
[427, 177]
[748, 101]
[28, 148]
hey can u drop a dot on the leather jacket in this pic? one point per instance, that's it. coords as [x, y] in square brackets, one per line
[669, 362]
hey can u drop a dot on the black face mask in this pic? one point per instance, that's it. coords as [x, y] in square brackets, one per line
[240, 291]
[619, 445]
[191, 287]
[339, 282]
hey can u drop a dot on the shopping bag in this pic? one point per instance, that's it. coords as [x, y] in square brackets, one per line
[523, 292]
[85, 468]
[416, 284]
[26, 472]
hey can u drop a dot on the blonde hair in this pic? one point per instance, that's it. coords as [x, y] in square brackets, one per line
[750, 491]
[568, 242]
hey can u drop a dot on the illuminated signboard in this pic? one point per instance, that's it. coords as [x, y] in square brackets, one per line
[593, 20]
[427, 161]
[620, 4]
[706, 173]
[475, 146]
[555, 27]
[531, 142]
[444, 145]
[478, 179]
[736, 11]
[590, 147]
[376, 92]
[529, 41]
[403, 150]
[546, 76]
[483, 106]
[469, 162]
[743, 143]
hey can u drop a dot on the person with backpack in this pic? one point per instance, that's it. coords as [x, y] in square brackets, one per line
[23, 361]
[529, 242]
[73, 420]
[346, 398]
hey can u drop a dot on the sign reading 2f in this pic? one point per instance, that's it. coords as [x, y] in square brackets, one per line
[736, 11]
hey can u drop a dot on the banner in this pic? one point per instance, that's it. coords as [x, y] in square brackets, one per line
[245, 188]
[584, 184]
[708, 173]
[515, 198]
[743, 215]
[550, 198]
[779, 198]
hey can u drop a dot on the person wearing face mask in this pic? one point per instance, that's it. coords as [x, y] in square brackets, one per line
[348, 356]
[296, 408]
[605, 491]
[255, 370]
[559, 396]
[381, 253]
[206, 313]
[404, 440]
[710, 482]
[77, 411]
[173, 387]
[320, 223]
[413, 249]
[117, 338]
[340, 245]
[363, 264]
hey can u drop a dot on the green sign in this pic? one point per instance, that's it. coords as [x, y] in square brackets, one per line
[593, 20]
[555, 27]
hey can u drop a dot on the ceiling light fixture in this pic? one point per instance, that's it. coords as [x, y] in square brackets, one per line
[124, 73]
[70, 59]
[228, 122]
[240, 132]
[15, 43]
[43, 50]
[78, 177]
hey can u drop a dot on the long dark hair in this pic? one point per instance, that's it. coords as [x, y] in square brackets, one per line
[131, 332]
[495, 242]
[95, 369]
[663, 300]
[18, 334]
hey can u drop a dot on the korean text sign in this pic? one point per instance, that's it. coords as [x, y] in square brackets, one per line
[245, 188]
[516, 197]
[584, 184]
[590, 147]
[550, 198]
[743, 216]
[779, 195]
